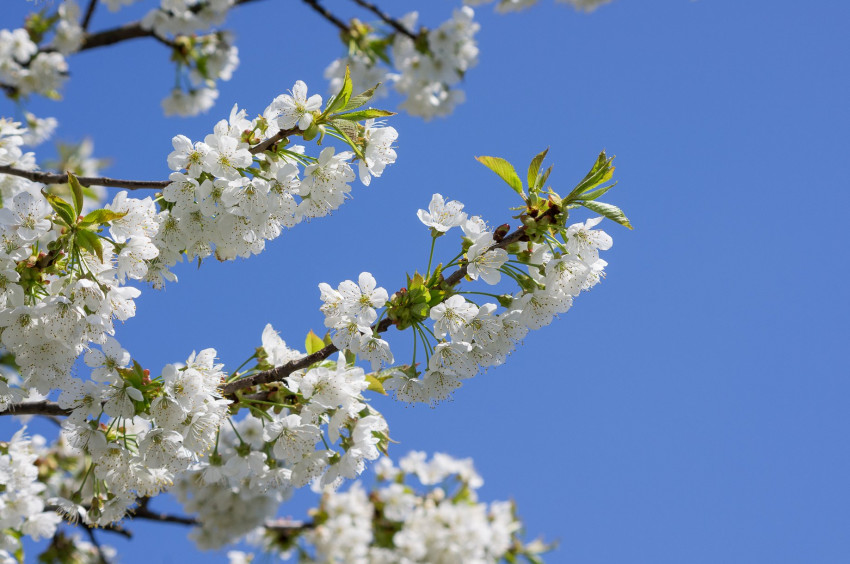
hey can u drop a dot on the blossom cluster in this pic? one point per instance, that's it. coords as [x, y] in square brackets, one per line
[438, 520]
[426, 77]
[219, 202]
[350, 311]
[24, 69]
[323, 433]
[63, 282]
[466, 336]
[22, 505]
[31, 64]
[47, 320]
[203, 59]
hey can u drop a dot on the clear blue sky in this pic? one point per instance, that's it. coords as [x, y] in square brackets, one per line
[692, 408]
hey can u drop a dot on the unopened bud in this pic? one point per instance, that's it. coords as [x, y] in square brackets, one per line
[500, 232]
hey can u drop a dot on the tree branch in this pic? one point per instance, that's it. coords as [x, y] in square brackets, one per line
[54, 178]
[281, 372]
[280, 526]
[35, 408]
[142, 512]
[283, 134]
[395, 24]
[343, 27]
[114, 35]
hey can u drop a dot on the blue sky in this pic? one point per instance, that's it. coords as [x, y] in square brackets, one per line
[693, 407]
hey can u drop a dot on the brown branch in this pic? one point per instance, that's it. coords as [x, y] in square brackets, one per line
[279, 136]
[114, 35]
[279, 526]
[395, 24]
[142, 512]
[35, 408]
[281, 372]
[343, 27]
[54, 178]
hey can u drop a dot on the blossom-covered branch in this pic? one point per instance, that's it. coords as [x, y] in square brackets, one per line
[280, 373]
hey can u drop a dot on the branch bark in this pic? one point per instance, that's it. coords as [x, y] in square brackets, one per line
[283, 134]
[343, 27]
[280, 526]
[54, 178]
[35, 408]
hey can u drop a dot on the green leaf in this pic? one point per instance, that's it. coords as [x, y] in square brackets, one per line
[350, 358]
[313, 343]
[534, 168]
[544, 177]
[349, 128]
[352, 144]
[61, 207]
[596, 193]
[89, 241]
[77, 191]
[342, 97]
[610, 211]
[361, 99]
[375, 385]
[364, 114]
[505, 170]
[101, 216]
[601, 173]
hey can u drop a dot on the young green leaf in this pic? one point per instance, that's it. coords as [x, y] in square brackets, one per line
[359, 100]
[313, 343]
[587, 196]
[77, 191]
[61, 207]
[610, 211]
[349, 128]
[352, 144]
[101, 216]
[505, 170]
[364, 114]
[534, 168]
[89, 241]
[342, 97]
[601, 173]
[375, 385]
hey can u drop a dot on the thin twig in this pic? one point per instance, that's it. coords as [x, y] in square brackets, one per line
[343, 27]
[96, 544]
[395, 24]
[89, 13]
[281, 372]
[54, 178]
